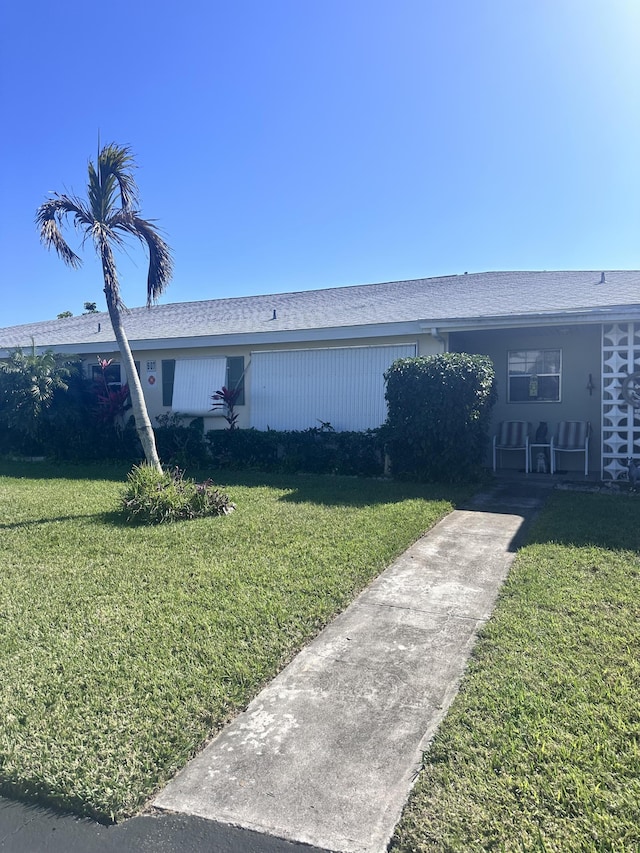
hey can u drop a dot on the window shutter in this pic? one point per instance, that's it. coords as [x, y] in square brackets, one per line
[235, 376]
[168, 372]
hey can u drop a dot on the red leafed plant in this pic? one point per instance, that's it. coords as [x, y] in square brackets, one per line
[112, 402]
[226, 398]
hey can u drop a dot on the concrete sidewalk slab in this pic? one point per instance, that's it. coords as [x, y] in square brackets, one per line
[327, 753]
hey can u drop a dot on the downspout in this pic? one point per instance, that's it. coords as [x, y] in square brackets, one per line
[436, 334]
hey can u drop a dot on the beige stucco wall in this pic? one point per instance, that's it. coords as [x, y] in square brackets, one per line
[426, 345]
[581, 348]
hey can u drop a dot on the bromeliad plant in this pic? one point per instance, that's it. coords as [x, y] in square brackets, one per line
[113, 404]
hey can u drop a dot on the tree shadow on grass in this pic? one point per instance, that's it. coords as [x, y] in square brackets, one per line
[112, 518]
[50, 470]
[323, 489]
[356, 492]
[584, 519]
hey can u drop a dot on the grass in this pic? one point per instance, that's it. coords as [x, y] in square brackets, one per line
[122, 649]
[540, 751]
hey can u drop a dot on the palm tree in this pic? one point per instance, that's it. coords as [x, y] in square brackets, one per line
[108, 216]
[28, 384]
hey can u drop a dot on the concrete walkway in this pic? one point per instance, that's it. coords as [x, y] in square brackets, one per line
[327, 753]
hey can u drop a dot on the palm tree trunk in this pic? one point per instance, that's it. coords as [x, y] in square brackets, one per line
[138, 404]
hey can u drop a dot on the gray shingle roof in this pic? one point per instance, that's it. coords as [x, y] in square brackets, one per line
[435, 301]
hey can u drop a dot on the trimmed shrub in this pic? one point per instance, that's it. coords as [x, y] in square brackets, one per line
[152, 497]
[178, 444]
[312, 451]
[244, 448]
[438, 416]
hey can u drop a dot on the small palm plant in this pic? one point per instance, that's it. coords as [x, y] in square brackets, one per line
[109, 215]
[28, 384]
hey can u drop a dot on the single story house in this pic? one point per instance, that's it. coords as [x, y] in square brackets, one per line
[565, 346]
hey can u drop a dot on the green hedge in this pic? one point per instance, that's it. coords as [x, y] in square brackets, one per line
[181, 445]
[70, 430]
[313, 451]
[438, 416]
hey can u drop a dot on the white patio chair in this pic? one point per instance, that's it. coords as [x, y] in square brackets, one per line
[571, 437]
[512, 435]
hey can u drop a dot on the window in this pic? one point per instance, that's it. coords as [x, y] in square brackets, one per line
[112, 374]
[534, 376]
[189, 383]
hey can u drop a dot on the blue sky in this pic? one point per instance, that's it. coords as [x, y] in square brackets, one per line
[296, 144]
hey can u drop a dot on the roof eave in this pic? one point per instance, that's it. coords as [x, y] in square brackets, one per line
[587, 316]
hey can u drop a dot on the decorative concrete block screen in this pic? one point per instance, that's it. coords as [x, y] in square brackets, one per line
[620, 418]
[342, 386]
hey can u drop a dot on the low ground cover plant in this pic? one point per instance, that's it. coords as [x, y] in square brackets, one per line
[159, 497]
[123, 648]
[540, 750]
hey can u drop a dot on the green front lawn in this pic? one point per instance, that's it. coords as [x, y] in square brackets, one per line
[540, 751]
[123, 648]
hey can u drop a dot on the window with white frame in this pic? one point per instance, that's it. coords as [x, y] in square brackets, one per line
[534, 375]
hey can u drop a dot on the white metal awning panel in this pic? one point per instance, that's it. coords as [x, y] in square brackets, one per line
[195, 381]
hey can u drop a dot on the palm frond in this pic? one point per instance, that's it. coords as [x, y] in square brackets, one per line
[98, 203]
[116, 164]
[160, 258]
[104, 196]
[49, 218]
[109, 230]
